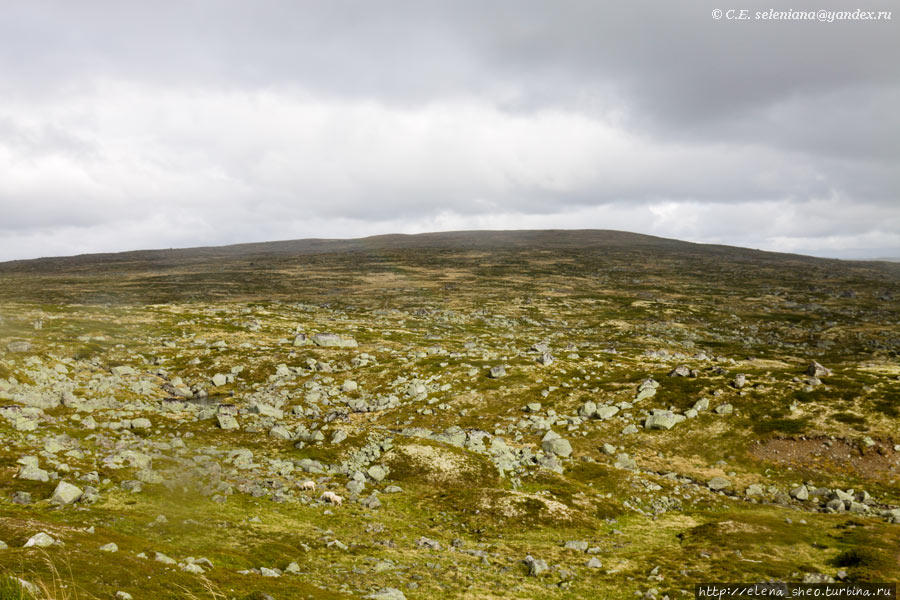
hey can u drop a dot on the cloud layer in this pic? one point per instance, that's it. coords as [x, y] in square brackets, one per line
[130, 125]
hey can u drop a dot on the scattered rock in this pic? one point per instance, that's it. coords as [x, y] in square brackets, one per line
[18, 347]
[662, 420]
[724, 409]
[817, 370]
[718, 483]
[40, 540]
[388, 593]
[800, 493]
[552, 443]
[332, 340]
[536, 566]
[65, 493]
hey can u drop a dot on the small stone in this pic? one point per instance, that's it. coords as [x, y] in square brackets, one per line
[293, 569]
[536, 566]
[21, 498]
[594, 563]
[680, 371]
[192, 568]
[219, 380]
[160, 557]
[497, 372]
[120, 595]
[545, 359]
[110, 547]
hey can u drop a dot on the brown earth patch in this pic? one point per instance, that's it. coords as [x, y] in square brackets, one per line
[876, 462]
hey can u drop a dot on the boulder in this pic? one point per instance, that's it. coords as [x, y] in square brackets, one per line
[40, 540]
[227, 422]
[18, 347]
[552, 443]
[817, 370]
[332, 340]
[718, 483]
[387, 593]
[800, 493]
[65, 493]
[680, 371]
[606, 411]
[536, 566]
[662, 420]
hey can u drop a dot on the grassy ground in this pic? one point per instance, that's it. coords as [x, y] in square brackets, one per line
[614, 313]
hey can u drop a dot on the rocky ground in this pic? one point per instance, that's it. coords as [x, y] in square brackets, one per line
[512, 423]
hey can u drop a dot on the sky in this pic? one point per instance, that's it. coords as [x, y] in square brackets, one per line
[130, 125]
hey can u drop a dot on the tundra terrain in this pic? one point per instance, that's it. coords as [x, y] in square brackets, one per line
[544, 414]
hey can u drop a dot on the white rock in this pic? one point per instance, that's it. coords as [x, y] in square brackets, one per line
[39, 540]
[65, 493]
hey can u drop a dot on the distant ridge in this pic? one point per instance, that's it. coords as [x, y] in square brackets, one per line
[477, 240]
[399, 268]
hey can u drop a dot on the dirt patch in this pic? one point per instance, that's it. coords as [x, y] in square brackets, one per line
[836, 456]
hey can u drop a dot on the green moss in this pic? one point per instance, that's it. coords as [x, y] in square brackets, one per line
[856, 421]
[11, 589]
[780, 425]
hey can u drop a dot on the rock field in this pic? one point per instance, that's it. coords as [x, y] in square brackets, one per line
[621, 430]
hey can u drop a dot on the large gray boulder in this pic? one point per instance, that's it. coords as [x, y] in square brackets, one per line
[647, 389]
[333, 340]
[718, 483]
[18, 347]
[552, 443]
[65, 493]
[39, 540]
[606, 411]
[663, 420]
[227, 422]
[387, 594]
[536, 566]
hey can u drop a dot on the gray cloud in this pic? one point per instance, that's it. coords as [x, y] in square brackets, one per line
[134, 124]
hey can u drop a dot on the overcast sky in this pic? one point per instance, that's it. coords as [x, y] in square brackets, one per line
[127, 125]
